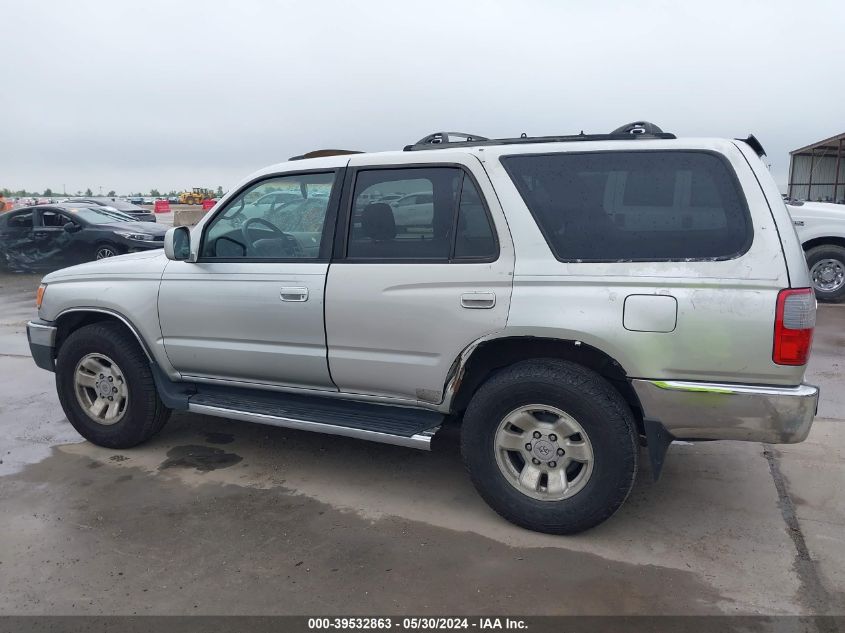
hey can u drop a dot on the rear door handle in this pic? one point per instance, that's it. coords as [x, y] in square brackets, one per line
[294, 294]
[478, 300]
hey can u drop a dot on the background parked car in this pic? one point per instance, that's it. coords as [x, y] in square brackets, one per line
[821, 229]
[55, 236]
[415, 209]
[140, 214]
[278, 198]
[391, 198]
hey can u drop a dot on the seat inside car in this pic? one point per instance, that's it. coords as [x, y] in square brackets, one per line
[378, 223]
[379, 237]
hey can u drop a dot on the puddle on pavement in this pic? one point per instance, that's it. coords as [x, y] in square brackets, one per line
[202, 458]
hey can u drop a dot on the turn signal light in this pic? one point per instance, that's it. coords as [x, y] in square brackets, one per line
[39, 295]
[795, 318]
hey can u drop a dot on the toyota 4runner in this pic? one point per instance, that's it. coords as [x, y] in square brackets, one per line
[564, 299]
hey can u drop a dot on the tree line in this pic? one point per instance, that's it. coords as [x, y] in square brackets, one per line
[49, 193]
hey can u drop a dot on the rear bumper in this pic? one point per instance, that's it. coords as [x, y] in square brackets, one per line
[714, 411]
[42, 341]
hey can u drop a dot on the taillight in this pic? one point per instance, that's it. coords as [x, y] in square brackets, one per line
[795, 319]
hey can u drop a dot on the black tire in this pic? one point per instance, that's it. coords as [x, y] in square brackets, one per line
[105, 247]
[145, 414]
[597, 407]
[827, 252]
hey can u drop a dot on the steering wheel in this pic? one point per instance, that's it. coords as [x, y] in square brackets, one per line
[292, 244]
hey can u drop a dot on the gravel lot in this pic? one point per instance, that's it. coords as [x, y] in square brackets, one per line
[223, 517]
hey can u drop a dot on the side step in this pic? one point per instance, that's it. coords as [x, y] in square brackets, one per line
[388, 424]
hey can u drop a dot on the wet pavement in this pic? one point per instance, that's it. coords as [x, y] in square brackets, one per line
[223, 517]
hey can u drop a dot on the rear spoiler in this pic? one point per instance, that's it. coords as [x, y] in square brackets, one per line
[754, 144]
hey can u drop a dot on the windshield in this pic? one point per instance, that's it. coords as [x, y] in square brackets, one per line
[100, 215]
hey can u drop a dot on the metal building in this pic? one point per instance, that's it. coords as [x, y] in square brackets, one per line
[817, 171]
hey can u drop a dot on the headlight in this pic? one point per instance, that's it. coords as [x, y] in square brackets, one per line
[138, 237]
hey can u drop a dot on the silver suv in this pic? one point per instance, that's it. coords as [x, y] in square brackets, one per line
[564, 299]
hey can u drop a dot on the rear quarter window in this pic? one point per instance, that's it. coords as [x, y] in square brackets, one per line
[634, 205]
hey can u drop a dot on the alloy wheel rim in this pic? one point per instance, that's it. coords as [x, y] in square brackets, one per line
[828, 275]
[101, 389]
[104, 252]
[543, 452]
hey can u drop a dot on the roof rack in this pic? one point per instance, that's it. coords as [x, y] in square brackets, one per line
[319, 153]
[446, 137]
[630, 131]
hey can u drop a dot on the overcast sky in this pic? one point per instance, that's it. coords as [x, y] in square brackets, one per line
[131, 95]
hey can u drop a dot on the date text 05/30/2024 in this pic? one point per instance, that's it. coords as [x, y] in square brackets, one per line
[417, 624]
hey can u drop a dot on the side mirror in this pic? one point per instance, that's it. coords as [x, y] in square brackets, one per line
[72, 227]
[177, 244]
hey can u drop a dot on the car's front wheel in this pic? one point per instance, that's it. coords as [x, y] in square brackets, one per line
[105, 250]
[551, 446]
[106, 387]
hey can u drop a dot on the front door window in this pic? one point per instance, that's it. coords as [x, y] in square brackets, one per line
[282, 218]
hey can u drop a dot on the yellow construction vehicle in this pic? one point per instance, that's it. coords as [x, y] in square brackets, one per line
[196, 196]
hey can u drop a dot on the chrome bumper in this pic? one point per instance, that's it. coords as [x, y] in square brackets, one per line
[713, 411]
[42, 340]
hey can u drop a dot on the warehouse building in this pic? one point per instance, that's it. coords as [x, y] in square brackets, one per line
[817, 172]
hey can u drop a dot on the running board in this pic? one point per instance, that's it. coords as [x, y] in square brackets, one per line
[388, 424]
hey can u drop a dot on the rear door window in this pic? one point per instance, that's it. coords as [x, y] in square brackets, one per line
[54, 219]
[419, 214]
[381, 228]
[638, 205]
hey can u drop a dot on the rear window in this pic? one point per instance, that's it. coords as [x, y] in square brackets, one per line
[120, 205]
[641, 206]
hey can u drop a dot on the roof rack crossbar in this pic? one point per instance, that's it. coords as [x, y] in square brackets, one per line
[438, 138]
[542, 139]
[631, 131]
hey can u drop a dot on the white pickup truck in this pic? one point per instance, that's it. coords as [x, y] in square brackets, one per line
[821, 230]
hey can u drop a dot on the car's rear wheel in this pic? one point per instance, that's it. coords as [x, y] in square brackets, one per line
[551, 446]
[827, 272]
[106, 387]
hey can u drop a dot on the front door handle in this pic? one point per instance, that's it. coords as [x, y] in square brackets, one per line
[478, 300]
[294, 294]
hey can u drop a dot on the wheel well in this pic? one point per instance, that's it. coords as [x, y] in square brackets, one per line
[492, 356]
[68, 323]
[111, 245]
[823, 241]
